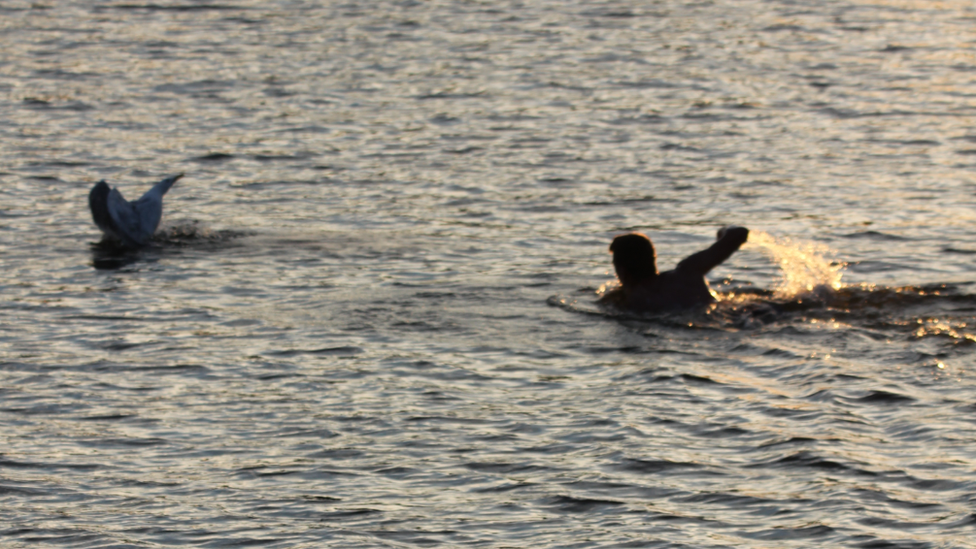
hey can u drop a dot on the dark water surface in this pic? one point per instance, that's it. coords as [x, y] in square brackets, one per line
[369, 319]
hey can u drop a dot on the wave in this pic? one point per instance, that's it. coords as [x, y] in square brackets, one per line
[935, 310]
[193, 234]
[188, 234]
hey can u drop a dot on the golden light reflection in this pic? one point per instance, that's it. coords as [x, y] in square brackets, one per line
[804, 266]
[607, 286]
[934, 327]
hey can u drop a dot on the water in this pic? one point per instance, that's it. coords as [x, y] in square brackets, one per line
[369, 319]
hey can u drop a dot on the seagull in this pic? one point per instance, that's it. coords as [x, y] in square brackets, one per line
[131, 223]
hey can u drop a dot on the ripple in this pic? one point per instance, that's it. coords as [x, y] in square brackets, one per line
[383, 311]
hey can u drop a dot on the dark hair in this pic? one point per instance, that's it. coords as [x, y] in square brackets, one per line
[633, 258]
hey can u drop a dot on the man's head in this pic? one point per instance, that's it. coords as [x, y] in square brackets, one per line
[633, 258]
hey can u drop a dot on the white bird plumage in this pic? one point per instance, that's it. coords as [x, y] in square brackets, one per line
[130, 223]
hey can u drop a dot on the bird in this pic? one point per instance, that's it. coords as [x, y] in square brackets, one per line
[131, 224]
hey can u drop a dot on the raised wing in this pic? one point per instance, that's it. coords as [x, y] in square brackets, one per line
[149, 211]
[127, 220]
[98, 203]
[134, 223]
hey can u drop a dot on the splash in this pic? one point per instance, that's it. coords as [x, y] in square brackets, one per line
[805, 266]
[193, 233]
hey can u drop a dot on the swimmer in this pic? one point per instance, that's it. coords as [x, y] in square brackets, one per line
[643, 289]
[130, 224]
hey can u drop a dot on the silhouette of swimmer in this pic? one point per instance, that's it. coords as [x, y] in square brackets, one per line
[643, 288]
[130, 224]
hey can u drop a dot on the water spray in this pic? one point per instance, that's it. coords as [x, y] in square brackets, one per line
[804, 266]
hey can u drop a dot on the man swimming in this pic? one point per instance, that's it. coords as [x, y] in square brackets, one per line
[643, 289]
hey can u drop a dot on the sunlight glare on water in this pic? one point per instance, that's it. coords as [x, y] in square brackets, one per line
[805, 267]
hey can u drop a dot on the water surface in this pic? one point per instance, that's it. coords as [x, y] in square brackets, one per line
[369, 319]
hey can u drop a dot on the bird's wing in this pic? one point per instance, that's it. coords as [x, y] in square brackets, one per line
[149, 210]
[150, 206]
[159, 189]
[98, 204]
[127, 220]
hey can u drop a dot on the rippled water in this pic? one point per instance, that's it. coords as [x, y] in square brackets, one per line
[369, 319]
